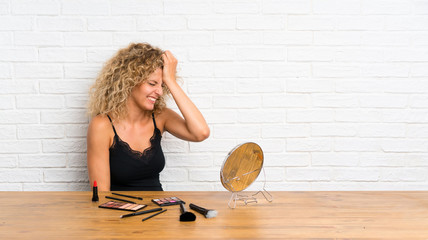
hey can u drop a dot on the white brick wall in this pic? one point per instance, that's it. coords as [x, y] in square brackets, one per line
[335, 92]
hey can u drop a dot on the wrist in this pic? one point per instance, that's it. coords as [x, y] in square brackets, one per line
[172, 86]
[170, 81]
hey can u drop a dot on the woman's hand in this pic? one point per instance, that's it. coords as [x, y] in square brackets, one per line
[169, 68]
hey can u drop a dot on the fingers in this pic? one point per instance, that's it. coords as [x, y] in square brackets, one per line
[168, 57]
[170, 67]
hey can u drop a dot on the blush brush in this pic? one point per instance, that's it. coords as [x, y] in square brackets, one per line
[185, 215]
[208, 213]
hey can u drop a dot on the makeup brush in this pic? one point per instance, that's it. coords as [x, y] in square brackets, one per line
[208, 213]
[186, 216]
[139, 213]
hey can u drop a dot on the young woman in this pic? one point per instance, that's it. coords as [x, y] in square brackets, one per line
[127, 103]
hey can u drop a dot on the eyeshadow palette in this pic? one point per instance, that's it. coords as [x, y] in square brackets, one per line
[167, 201]
[122, 206]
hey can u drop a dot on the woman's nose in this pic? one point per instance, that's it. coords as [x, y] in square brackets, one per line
[159, 90]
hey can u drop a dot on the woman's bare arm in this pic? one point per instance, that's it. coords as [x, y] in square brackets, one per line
[193, 127]
[98, 144]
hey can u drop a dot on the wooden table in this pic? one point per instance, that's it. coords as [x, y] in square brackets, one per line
[72, 215]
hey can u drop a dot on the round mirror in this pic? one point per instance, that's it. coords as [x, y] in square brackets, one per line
[241, 167]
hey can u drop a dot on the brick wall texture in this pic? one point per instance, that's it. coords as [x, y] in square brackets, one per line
[335, 92]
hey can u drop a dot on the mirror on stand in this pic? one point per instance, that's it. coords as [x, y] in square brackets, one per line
[240, 169]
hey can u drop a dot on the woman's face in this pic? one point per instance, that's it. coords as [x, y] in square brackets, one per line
[145, 94]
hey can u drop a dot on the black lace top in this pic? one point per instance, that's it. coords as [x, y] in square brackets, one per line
[132, 170]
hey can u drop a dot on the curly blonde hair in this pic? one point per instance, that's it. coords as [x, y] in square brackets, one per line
[128, 68]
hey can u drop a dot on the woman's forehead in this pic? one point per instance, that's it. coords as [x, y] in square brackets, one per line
[156, 74]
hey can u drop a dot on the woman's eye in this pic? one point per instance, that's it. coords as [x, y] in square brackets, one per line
[152, 84]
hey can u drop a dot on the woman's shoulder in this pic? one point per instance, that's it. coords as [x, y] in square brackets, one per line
[100, 123]
[100, 134]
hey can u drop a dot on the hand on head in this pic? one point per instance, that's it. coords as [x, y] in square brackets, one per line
[169, 68]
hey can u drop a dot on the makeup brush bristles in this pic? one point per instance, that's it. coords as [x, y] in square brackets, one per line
[208, 213]
[211, 214]
[185, 215]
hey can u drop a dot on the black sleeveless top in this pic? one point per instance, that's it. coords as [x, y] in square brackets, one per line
[132, 170]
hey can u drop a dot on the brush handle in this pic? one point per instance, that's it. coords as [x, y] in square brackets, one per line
[144, 219]
[198, 209]
[182, 208]
[119, 199]
[139, 213]
[123, 195]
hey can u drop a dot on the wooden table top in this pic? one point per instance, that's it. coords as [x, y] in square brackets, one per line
[292, 215]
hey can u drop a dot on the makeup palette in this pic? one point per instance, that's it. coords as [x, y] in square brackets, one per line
[122, 206]
[167, 201]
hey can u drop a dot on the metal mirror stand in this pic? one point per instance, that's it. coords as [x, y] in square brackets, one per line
[250, 199]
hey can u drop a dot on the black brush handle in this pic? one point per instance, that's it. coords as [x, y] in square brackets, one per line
[119, 199]
[123, 195]
[198, 209]
[144, 219]
[182, 208]
[139, 213]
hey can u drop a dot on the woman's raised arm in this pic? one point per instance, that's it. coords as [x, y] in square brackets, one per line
[193, 127]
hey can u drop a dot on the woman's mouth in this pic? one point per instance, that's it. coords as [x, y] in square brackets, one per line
[152, 99]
